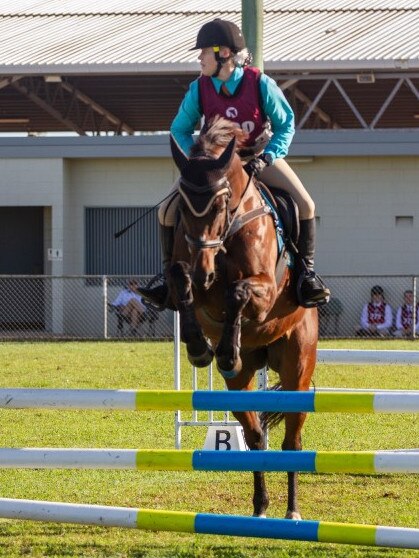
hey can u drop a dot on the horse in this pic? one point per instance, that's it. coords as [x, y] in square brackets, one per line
[223, 283]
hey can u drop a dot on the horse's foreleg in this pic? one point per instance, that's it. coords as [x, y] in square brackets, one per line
[228, 349]
[199, 351]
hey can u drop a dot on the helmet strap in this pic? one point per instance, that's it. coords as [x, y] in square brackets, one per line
[220, 60]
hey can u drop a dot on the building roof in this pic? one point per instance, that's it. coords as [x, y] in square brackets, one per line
[123, 66]
[76, 36]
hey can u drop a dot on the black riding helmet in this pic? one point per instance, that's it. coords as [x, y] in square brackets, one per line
[220, 32]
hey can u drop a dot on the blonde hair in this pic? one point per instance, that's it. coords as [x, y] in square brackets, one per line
[242, 58]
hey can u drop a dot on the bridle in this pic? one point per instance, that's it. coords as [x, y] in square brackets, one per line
[221, 188]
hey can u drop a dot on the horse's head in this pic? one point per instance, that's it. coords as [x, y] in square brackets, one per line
[205, 191]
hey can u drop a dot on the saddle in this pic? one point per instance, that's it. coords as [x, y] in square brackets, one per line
[286, 220]
[287, 211]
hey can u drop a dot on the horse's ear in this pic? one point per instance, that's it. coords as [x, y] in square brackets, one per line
[178, 155]
[224, 160]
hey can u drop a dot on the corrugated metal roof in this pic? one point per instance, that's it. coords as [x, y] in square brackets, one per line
[75, 36]
[32, 7]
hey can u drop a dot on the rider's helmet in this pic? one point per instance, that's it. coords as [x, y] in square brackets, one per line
[220, 32]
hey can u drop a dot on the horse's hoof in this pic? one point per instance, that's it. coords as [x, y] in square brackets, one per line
[229, 369]
[260, 515]
[227, 374]
[201, 361]
[292, 515]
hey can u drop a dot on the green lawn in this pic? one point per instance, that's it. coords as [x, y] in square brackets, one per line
[368, 499]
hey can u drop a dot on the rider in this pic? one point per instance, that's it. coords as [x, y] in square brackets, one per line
[229, 87]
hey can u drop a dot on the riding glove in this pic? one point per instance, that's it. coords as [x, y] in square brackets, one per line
[255, 166]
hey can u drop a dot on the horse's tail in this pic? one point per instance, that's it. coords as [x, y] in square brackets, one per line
[270, 419]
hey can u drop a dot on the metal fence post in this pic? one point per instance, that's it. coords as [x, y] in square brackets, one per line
[105, 306]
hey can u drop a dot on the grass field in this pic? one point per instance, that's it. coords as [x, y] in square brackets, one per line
[379, 499]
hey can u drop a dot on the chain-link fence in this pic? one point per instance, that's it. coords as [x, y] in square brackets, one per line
[77, 307]
[82, 307]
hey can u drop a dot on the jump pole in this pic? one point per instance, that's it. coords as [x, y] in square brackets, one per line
[366, 357]
[174, 400]
[367, 462]
[210, 524]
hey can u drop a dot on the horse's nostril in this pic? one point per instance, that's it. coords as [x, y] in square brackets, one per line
[211, 277]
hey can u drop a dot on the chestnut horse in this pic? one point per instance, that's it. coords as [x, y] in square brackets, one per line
[223, 283]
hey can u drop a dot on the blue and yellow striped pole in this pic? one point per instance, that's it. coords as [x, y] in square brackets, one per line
[269, 401]
[210, 524]
[367, 462]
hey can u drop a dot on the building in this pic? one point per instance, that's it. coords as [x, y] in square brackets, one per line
[90, 93]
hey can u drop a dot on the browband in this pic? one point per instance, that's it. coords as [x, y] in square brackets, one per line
[201, 210]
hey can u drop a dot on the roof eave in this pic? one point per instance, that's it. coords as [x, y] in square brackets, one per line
[99, 69]
[193, 67]
[341, 65]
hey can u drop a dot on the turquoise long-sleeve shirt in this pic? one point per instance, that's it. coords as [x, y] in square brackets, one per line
[274, 105]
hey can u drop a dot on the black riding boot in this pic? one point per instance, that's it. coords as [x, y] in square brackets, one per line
[311, 291]
[159, 295]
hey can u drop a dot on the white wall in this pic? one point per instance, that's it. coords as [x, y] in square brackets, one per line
[357, 200]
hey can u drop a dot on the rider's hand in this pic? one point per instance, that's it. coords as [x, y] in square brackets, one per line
[255, 166]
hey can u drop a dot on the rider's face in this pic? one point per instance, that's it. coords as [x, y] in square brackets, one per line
[208, 62]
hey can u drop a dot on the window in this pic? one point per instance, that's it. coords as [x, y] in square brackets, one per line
[404, 221]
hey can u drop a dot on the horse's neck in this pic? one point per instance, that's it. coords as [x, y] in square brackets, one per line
[244, 194]
[241, 184]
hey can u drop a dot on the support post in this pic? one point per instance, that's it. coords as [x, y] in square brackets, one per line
[176, 356]
[105, 306]
[252, 25]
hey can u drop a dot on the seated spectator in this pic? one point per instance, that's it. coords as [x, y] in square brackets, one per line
[377, 315]
[404, 316]
[130, 304]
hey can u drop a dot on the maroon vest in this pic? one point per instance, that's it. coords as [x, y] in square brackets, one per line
[407, 315]
[243, 107]
[376, 314]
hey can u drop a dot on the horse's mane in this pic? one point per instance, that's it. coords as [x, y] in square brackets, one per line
[219, 133]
